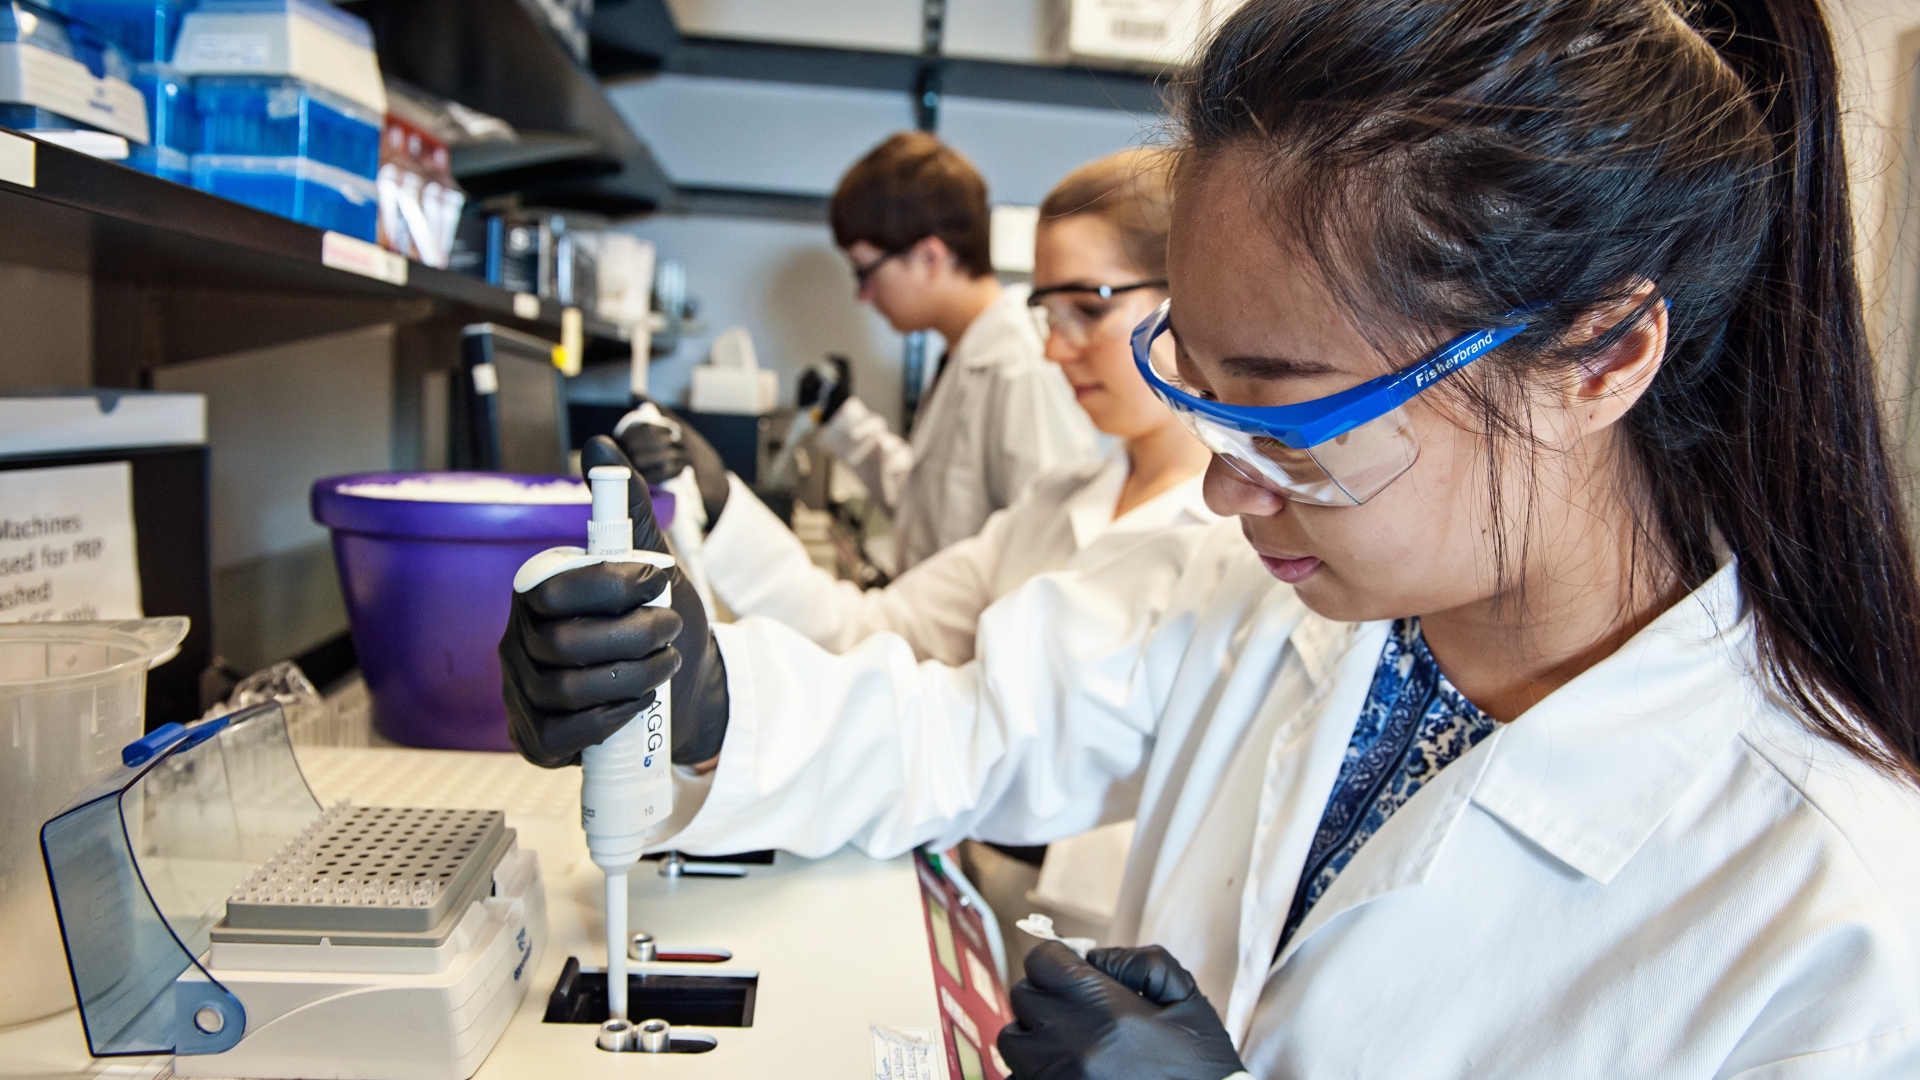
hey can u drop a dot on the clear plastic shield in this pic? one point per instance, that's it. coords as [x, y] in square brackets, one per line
[141, 867]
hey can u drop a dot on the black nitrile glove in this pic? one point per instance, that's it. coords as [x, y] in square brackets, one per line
[659, 456]
[582, 655]
[1120, 1014]
[813, 384]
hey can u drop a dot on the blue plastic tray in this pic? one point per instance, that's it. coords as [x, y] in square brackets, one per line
[280, 117]
[33, 118]
[144, 29]
[300, 189]
[172, 121]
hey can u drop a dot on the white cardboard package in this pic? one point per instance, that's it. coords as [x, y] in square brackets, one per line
[731, 380]
[304, 39]
[100, 420]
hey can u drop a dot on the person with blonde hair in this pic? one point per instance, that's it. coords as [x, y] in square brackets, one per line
[1099, 267]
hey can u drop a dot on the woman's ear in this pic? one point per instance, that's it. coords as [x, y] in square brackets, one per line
[1608, 383]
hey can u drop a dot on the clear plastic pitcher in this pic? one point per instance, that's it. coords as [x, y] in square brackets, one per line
[71, 695]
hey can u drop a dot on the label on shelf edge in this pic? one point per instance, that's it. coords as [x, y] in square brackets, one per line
[526, 306]
[356, 256]
[16, 159]
[573, 340]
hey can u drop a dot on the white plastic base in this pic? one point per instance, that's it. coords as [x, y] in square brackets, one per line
[437, 1025]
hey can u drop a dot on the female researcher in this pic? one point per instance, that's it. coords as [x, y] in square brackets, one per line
[1566, 723]
[1100, 266]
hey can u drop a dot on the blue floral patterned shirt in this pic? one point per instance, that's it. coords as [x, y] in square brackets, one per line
[1413, 724]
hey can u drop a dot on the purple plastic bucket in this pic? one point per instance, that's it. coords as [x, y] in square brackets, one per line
[428, 585]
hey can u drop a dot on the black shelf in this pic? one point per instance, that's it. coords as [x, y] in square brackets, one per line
[533, 149]
[500, 57]
[180, 274]
[638, 37]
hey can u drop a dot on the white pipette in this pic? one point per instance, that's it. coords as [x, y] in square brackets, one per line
[626, 782]
[1041, 926]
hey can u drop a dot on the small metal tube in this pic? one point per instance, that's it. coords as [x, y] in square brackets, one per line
[641, 949]
[653, 1037]
[615, 1035]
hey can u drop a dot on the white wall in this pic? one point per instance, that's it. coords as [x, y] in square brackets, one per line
[891, 25]
[1024, 149]
[784, 281]
[1879, 43]
[989, 29]
[757, 136]
[278, 419]
[48, 315]
[764, 136]
[1014, 30]
[790, 287]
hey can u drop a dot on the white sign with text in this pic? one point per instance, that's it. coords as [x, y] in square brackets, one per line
[66, 544]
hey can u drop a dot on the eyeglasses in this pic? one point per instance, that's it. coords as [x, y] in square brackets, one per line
[1339, 450]
[1070, 312]
[862, 274]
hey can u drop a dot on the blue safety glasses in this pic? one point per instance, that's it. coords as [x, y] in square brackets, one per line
[1339, 450]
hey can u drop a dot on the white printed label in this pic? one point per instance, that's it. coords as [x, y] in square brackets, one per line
[656, 753]
[486, 379]
[1161, 31]
[573, 342]
[905, 1054]
[215, 52]
[16, 159]
[656, 776]
[526, 306]
[356, 256]
[66, 544]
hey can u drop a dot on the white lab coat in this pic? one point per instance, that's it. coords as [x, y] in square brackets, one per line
[758, 567]
[1654, 872]
[999, 415]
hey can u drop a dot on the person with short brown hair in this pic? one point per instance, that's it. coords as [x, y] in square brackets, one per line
[909, 188]
[912, 218]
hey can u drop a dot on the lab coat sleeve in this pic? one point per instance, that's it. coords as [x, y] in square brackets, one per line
[858, 436]
[1893, 1056]
[758, 567]
[1044, 736]
[1034, 425]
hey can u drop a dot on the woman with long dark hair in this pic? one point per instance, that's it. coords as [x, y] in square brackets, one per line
[1564, 719]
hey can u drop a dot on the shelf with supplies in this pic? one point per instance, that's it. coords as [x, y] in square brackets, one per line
[641, 37]
[501, 57]
[180, 274]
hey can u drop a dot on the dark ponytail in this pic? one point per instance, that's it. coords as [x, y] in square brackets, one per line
[1466, 158]
[1809, 500]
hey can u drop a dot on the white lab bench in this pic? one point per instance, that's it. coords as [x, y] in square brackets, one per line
[839, 943]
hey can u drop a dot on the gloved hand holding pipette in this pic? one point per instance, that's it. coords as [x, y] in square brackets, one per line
[588, 646]
[825, 387]
[582, 653]
[661, 451]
